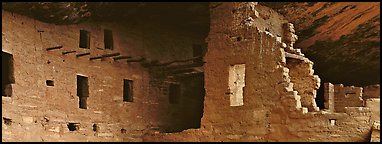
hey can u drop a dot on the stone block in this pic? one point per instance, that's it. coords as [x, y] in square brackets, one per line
[234, 137]
[117, 98]
[27, 119]
[55, 129]
[283, 45]
[255, 14]
[98, 112]
[304, 110]
[105, 134]
[6, 100]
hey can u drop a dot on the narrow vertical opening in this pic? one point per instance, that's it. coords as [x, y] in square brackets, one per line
[320, 97]
[127, 90]
[189, 112]
[7, 76]
[95, 128]
[108, 39]
[84, 39]
[174, 93]
[82, 91]
[197, 51]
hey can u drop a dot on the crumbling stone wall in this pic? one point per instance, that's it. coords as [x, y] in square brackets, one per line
[372, 91]
[350, 96]
[376, 132]
[272, 109]
[241, 33]
[347, 96]
[37, 112]
[304, 82]
[375, 107]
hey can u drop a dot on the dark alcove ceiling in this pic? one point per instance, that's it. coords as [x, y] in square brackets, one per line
[186, 15]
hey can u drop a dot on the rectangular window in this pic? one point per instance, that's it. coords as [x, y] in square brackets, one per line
[108, 39]
[127, 90]
[49, 82]
[73, 126]
[236, 83]
[84, 39]
[174, 93]
[7, 77]
[197, 50]
[82, 91]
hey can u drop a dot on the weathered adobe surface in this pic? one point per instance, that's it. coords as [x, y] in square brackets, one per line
[338, 97]
[272, 108]
[304, 82]
[41, 113]
[341, 38]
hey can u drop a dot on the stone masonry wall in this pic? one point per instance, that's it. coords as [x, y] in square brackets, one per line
[372, 91]
[272, 108]
[41, 113]
[304, 82]
[347, 96]
[240, 33]
[329, 96]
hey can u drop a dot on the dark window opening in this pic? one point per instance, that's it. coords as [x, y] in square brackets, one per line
[95, 128]
[7, 121]
[108, 39]
[123, 131]
[127, 90]
[73, 126]
[197, 51]
[320, 102]
[84, 39]
[83, 102]
[239, 38]
[7, 76]
[82, 91]
[188, 114]
[49, 83]
[174, 93]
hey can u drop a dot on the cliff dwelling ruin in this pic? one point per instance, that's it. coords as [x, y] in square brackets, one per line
[147, 72]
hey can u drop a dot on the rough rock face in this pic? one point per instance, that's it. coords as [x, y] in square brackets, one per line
[52, 12]
[183, 15]
[341, 38]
